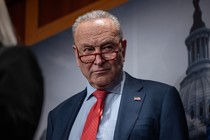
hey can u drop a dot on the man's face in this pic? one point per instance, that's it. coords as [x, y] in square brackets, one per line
[94, 37]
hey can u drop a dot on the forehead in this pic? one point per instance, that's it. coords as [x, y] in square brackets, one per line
[95, 30]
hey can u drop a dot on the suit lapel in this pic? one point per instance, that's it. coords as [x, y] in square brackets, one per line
[131, 102]
[72, 112]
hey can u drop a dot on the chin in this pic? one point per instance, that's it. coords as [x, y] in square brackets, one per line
[101, 84]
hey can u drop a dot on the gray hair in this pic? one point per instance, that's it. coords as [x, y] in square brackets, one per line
[97, 14]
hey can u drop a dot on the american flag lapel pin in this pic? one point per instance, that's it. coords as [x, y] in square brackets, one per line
[137, 98]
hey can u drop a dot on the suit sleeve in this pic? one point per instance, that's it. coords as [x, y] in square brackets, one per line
[173, 125]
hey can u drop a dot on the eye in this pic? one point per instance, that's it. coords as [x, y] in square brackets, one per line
[88, 50]
[108, 48]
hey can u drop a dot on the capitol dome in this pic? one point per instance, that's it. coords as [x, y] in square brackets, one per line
[195, 87]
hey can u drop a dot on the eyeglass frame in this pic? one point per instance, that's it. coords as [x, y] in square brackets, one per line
[95, 54]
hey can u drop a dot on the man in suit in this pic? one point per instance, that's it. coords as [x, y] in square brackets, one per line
[21, 93]
[134, 109]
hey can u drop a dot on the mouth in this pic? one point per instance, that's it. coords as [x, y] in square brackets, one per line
[100, 71]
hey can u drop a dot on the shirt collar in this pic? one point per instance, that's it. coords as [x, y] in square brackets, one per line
[116, 87]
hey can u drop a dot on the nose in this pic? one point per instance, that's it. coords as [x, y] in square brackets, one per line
[98, 60]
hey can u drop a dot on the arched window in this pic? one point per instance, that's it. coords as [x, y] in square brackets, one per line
[209, 108]
[192, 114]
[200, 110]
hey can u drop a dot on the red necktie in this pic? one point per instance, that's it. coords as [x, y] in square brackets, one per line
[92, 122]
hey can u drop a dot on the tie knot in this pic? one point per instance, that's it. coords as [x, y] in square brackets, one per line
[100, 94]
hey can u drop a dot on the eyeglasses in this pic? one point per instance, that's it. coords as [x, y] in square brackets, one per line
[108, 52]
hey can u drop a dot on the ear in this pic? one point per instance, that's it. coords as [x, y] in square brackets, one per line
[76, 55]
[124, 45]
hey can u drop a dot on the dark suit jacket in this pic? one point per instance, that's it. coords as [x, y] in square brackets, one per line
[21, 93]
[159, 115]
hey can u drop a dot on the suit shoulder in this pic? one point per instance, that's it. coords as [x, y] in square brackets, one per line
[155, 83]
[70, 102]
[148, 85]
[146, 82]
[160, 88]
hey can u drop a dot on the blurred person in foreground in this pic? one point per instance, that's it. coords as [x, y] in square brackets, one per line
[21, 84]
[124, 108]
[21, 93]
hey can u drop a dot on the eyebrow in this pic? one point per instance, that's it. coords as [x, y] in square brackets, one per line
[103, 43]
